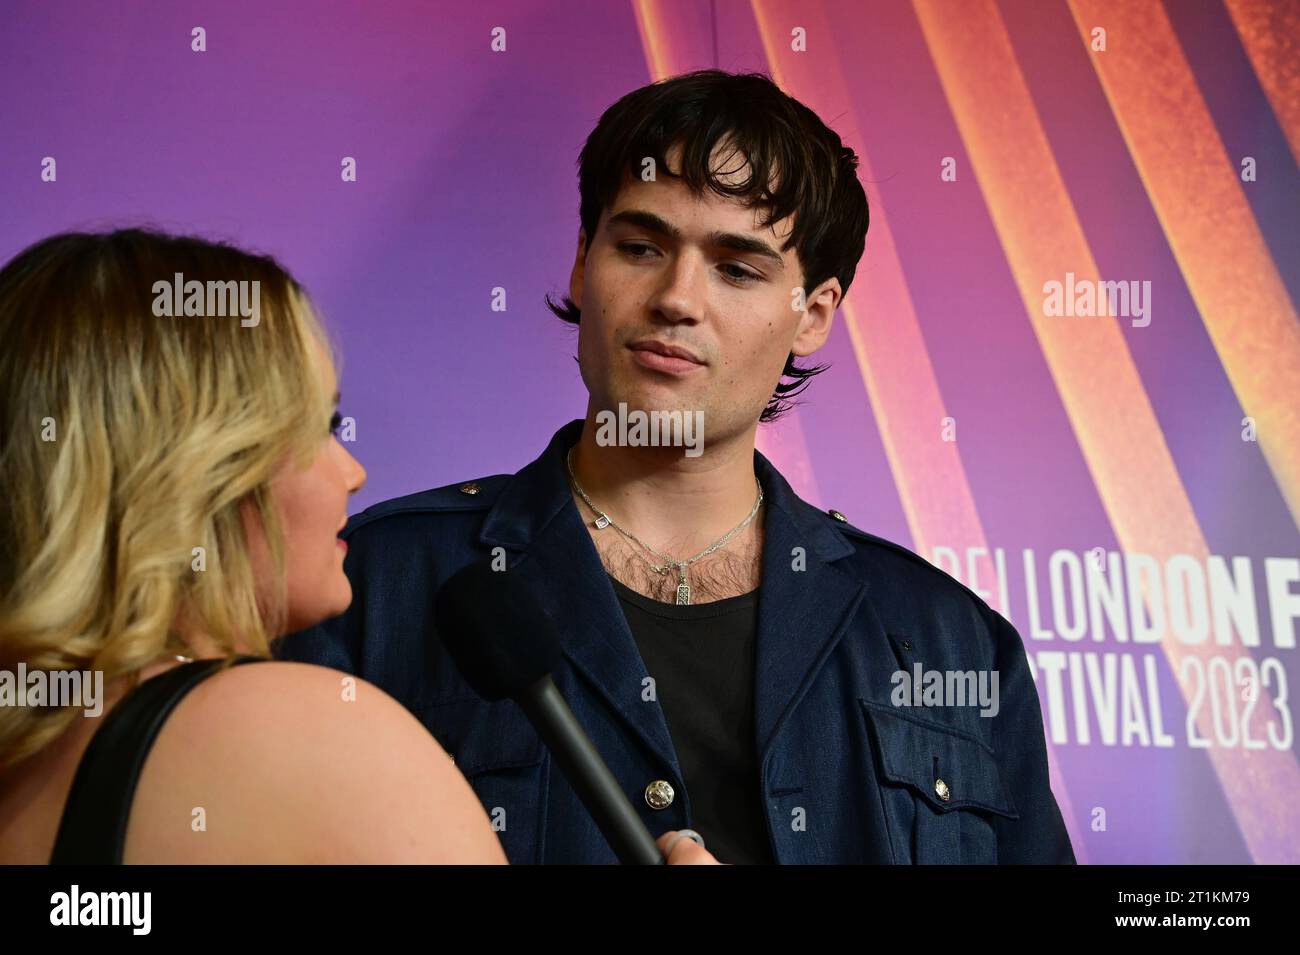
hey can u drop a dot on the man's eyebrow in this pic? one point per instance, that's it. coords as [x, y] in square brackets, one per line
[726, 240]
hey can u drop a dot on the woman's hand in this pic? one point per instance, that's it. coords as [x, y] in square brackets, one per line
[685, 850]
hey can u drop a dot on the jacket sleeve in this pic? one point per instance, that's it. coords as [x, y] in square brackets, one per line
[1039, 835]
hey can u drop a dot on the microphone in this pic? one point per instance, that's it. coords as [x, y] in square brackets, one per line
[505, 647]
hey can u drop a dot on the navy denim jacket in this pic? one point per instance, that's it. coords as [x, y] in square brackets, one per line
[846, 775]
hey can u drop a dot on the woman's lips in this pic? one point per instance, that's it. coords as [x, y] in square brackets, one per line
[668, 364]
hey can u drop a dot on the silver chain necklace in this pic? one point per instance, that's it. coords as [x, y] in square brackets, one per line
[603, 520]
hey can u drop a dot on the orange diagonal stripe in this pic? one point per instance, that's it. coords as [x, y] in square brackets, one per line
[655, 42]
[879, 313]
[1196, 191]
[1105, 400]
[1270, 33]
[883, 326]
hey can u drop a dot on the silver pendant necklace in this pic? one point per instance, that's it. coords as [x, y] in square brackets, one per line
[669, 562]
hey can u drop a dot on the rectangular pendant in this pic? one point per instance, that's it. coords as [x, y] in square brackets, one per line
[602, 522]
[683, 594]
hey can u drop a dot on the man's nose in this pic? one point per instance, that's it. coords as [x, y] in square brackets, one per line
[680, 297]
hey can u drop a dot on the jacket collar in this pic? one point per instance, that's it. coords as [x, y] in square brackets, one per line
[537, 494]
[805, 603]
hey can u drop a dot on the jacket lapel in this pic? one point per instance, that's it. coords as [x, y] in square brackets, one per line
[804, 606]
[535, 518]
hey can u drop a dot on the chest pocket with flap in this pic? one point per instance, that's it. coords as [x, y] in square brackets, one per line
[483, 737]
[921, 762]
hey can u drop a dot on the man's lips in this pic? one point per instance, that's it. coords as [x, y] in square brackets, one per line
[660, 356]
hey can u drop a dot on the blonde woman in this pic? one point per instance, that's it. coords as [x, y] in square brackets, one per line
[172, 496]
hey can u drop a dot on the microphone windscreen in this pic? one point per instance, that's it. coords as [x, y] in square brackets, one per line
[497, 633]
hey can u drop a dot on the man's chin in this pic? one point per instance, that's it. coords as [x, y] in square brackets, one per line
[655, 396]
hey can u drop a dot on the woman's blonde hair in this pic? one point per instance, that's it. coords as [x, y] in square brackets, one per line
[129, 439]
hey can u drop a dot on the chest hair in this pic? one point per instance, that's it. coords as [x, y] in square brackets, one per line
[729, 571]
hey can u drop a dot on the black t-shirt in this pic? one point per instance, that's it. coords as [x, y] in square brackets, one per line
[701, 657]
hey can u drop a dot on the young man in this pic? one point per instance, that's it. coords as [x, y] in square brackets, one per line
[730, 649]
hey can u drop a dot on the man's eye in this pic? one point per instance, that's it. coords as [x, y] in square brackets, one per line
[629, 247]
[742, 275]
[336, 422]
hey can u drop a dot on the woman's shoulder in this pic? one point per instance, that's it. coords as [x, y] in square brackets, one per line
[282, 707]
[260, 688]
[290, 762]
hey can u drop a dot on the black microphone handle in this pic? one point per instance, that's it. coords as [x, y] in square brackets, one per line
[587, 773]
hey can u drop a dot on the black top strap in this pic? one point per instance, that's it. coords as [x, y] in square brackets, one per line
[93, 828]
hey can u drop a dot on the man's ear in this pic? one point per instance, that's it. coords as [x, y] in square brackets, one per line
[815, 323]
[579, 269]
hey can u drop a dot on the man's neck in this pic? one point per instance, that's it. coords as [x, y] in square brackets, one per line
[674, 503]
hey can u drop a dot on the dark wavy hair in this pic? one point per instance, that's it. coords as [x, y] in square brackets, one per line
[797, 166]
